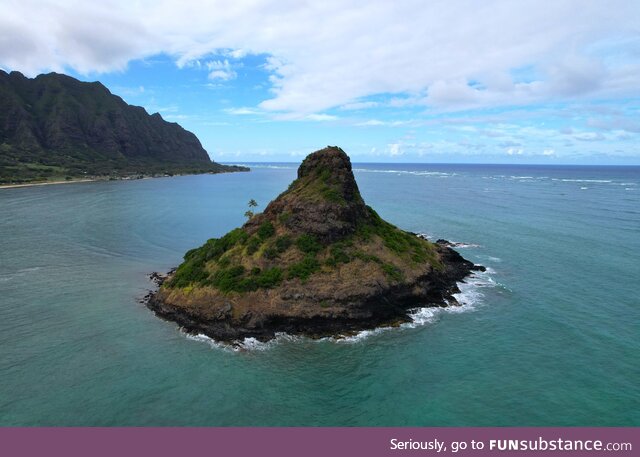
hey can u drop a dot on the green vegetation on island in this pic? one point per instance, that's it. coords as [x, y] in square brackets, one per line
[239, 262]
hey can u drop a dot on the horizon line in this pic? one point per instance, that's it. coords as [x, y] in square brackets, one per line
[448, 163]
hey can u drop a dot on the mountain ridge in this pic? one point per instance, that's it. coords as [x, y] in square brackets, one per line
[54, 124]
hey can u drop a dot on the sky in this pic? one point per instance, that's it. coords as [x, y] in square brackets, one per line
[452, 81]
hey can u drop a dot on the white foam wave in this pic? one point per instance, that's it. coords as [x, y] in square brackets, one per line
[516, 178]
[9, 276]
[201, 338]
[468, 298]
[272, 167]
[407, 172]
[360, 336]
[455, 244]
[471, 290]
[422, 316]
[461, 244]
[252, 344]
[247, 344]
[491, 259]
[584, 180]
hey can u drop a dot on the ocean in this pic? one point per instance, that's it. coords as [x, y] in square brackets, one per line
[548, 336]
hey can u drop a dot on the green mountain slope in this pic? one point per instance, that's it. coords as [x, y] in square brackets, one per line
[54, 125]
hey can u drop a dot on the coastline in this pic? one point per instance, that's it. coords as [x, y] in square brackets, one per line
[108, 178]
[47, 183]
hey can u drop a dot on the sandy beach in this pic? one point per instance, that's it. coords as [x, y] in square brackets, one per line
[10, 186]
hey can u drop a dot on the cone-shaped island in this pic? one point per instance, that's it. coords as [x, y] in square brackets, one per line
[317, 262]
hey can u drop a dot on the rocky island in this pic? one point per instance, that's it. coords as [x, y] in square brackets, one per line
[317, 262]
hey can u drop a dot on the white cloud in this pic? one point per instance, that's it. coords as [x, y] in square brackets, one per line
[124, 91]
[321, 117]
[246, 111]
[223, 75]
[379, 123]
[220, 70]
[359, 105]
[447, 55]
[237, 53]
[242, 111]
[395, 149]
[178, 117]
[371, 123]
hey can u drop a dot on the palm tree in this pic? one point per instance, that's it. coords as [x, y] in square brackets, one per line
[252, 204]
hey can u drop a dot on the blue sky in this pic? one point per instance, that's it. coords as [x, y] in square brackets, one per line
[505, 82]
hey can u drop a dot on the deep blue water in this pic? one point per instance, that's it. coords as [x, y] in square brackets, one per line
[550, 336]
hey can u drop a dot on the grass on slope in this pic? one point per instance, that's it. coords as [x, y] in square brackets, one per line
[238, 262]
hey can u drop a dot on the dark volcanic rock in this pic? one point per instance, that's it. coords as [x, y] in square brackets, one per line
[324, 201]
[317, 262]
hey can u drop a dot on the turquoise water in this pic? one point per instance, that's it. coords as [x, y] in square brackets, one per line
[550, 336]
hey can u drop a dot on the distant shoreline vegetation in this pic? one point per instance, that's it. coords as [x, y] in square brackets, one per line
[103, 178]
[14, 172]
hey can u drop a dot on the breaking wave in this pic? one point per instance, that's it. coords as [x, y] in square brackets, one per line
[470, 296]
[6, 277]
[407, 172]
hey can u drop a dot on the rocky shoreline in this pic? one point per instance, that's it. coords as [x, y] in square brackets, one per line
[390, 308]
